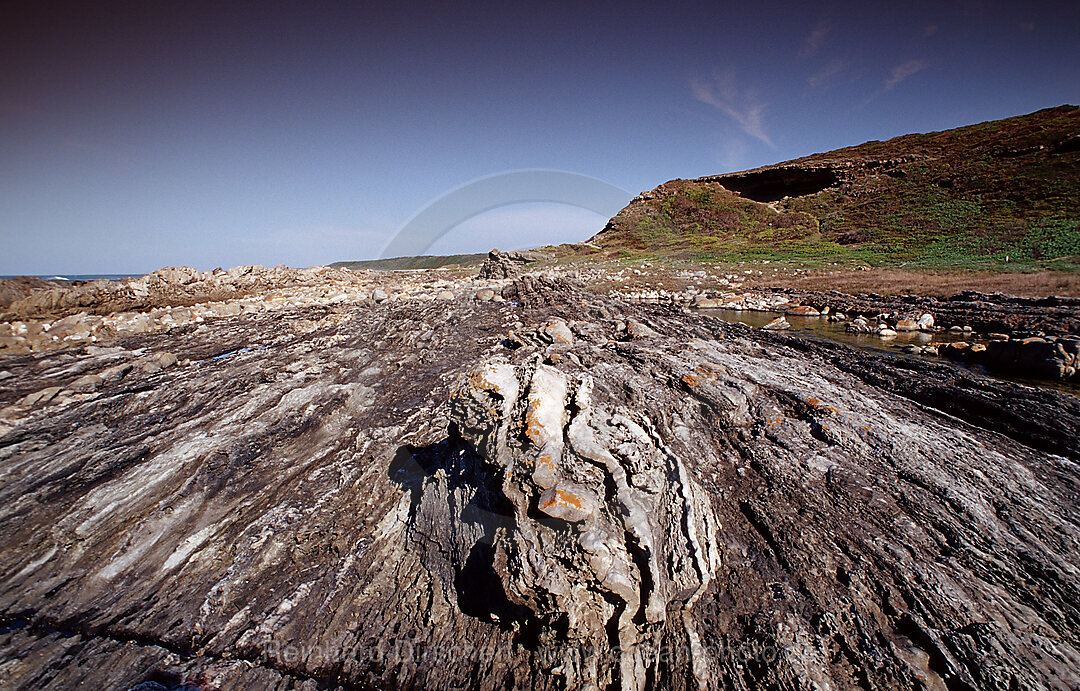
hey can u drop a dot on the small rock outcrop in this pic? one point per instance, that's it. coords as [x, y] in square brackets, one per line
[610, 536]
[507, 264]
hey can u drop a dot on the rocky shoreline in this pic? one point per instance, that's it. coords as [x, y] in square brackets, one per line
[419, 479]
[1038, 337]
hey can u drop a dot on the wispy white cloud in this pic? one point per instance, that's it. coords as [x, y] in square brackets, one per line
[815, 40]
[742, 106]
[896, 75]
[902, 72]
[827, 74]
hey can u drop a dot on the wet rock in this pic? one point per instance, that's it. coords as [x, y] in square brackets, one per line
[777, 324]
[803, 311]
[906, 325]
[956, 347]
[858, 325]
[1032, 357]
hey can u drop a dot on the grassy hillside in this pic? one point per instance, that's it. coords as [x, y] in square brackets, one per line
[1003, 194]
[420, 262]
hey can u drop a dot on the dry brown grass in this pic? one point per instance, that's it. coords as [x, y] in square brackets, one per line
[884, 281]
[929, 283]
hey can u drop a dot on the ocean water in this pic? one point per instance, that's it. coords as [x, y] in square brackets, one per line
[78, 277]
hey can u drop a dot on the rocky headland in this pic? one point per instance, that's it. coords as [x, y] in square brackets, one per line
[274, 478]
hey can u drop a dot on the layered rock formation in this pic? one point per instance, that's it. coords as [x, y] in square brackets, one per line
[507, 264]
[559, 490]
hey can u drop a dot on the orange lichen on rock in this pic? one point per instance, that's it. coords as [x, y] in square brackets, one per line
[563, 497]
[568, 501]
[706, 371]
[534, 430]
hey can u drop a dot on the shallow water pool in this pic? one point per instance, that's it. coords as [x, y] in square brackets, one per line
[822, 328]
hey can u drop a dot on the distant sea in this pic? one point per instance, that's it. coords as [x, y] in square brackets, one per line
[78, 277]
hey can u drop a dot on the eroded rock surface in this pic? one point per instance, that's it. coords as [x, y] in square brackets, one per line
[451, 493]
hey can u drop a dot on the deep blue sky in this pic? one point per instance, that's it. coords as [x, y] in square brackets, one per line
[136, 135]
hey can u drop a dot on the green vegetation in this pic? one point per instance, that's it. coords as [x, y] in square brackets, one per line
[1001, 195]
[421, 262]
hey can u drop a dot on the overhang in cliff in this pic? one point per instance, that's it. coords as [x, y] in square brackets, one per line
[773, 184]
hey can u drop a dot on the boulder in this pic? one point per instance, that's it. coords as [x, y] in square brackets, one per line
[778, 324]
[638, 330]
[858, 325]
[557, 331]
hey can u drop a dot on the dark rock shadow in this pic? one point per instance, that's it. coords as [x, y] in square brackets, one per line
[447, 470]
